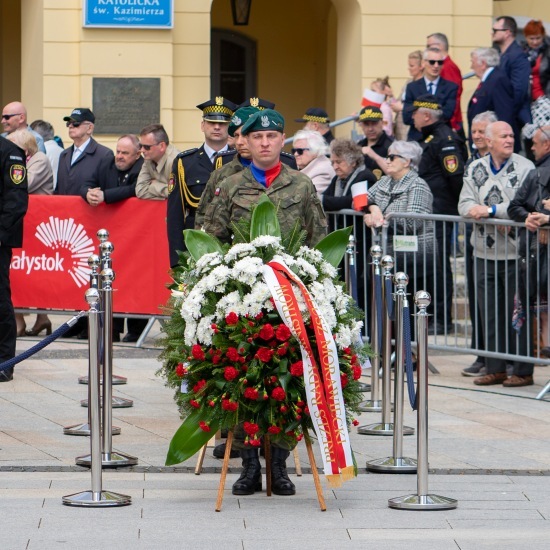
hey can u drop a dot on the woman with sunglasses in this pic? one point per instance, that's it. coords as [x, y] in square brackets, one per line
[310, 149]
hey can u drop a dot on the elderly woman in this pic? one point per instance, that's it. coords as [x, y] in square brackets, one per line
[40, 182]
[310, 149]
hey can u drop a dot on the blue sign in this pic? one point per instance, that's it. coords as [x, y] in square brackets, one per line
[139, 14]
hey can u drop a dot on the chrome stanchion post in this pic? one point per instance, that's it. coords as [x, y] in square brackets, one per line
[422, 500]
[386, 426]
[108, 457]
[397, 463]
[374, 404]
[95, 497]
[84, 429]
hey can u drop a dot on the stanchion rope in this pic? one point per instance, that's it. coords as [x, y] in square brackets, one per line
[43, 343]
[413, 396]
[378, 296]
[389, 299]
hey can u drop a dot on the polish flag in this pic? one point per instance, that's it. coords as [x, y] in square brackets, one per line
[359, 195]
[372, 99]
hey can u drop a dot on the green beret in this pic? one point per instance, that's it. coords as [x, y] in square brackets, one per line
[262, 121]
[239, 118]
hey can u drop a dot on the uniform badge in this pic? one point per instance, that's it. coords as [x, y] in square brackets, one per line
[219, 100]
[265, 121]
[17, 173]
[480, 175]
[451, 163]
[171, 183]
[236, 121]
[428, 139]
[217, 192]
[254, 102]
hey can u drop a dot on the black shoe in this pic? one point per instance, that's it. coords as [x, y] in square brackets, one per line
[251, 476]
[131, 337]
[219, 452]
[6, 375]
[280, 483]
[83, 334]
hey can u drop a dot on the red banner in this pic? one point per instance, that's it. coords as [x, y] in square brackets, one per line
[51, 270]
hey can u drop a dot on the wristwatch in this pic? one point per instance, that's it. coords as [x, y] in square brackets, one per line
[490, 211]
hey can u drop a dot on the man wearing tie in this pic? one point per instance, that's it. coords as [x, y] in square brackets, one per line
[192, 168]
[444, 91]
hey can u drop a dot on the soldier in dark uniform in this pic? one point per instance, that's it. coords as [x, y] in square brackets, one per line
[13, 206]
[317, 120]
[376, 142]
[257, 103]
[191, 171]
[240, 159]
[442, 167]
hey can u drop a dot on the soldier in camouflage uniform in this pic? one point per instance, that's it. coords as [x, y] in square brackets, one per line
[295, 197]
[292, 193]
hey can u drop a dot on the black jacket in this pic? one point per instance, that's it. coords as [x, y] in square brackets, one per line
[380, 148]
[14, 195]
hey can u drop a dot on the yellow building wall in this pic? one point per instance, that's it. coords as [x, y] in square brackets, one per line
[537, 9]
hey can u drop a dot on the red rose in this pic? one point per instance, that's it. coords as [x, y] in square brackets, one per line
[344, 379]
[297, 369]
[199, 385]
[194, 403]
[283, 409]
[216, 359]
[181, 371]
[266, 332]
[281, 351]
[278, 394]
[251, 428]
[211, 403]
[232, 318]
[232, 354]
[230, 373]
[251, 393]
[259, 316]
[282, 333]
[355, 422]
[354, 359]
[274, 429]
[264, 354]
[347, 351]
[300, 403]
[204, 426]
[306, 410]
[228, 405]
[255, 442]
[197, 352]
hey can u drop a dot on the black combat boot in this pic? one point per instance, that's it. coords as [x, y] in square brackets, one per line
[251, 476]
[280, 484]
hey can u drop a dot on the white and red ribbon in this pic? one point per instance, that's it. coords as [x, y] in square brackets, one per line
[321, 374]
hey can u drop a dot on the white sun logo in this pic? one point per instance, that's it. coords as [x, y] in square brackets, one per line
[66, 234]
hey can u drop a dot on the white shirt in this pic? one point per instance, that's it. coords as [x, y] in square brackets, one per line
[79, 150]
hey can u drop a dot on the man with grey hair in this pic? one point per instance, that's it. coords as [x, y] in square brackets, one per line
[451, 72]
[53, 149]
[490, 184]
[494, 92]
[477, 130]
[310, 149]
[432, 83]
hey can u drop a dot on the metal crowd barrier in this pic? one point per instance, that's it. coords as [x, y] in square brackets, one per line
[444, 266]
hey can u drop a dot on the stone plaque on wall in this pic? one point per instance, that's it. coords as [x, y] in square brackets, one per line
[125, 105]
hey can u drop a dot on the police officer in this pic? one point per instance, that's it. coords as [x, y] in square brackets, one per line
[191, 171]
[296, 199]
[241, 157]
[13, 206]
[442, 167]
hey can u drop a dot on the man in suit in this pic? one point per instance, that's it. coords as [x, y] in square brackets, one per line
[451, 72]
[494, 92]
[514, 64]
[192, 168]
[444, 91]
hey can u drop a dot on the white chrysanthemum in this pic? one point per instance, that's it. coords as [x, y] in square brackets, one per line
[204, 330]
[207, 261]
[310, 254]
[238, 251]
[216, 279]
[247, 270]
[264, 241]
[190, 333]
[254, 301]
[284, 258]
[343, 336]
[227, 304]
[306, 269]
[330, 290]
[329, 270]
[192, 305]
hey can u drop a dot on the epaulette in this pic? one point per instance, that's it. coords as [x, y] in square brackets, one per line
[188, 152]
[285, 154]
[429, 138]
[227, 153]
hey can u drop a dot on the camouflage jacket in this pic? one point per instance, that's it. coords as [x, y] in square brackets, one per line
[292, 193]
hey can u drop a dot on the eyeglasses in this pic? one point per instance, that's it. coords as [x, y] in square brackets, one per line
[392, 157]
[497, 30]
[435, 61]
[75, 124]
[7, 117]
[299, 150]
[147, 147]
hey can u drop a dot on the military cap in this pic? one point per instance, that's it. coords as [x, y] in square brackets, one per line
[314, 114]
[80, 114]
[218, 109]
[242, 114]
[265, 120]
[258, 102]
[426, 101]
[370, 113]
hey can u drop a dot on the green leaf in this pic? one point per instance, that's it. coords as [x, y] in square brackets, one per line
[264, 219]
[199, 243]
[189, 439]
[333, 246]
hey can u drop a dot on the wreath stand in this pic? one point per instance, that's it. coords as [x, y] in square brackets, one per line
[267, 448]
